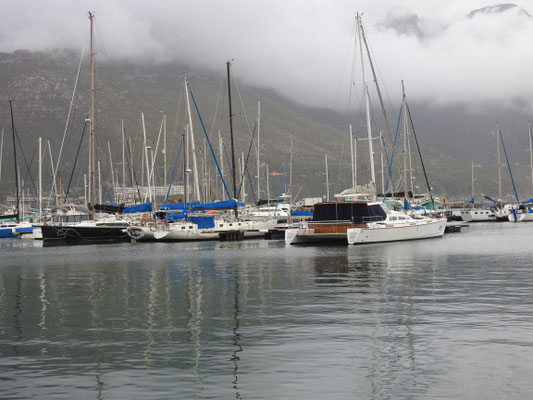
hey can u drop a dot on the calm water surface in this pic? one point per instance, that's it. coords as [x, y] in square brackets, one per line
[445, 318]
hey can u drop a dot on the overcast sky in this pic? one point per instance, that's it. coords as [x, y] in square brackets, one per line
[303, 48]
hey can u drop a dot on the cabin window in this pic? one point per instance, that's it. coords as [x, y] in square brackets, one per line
[182, 227]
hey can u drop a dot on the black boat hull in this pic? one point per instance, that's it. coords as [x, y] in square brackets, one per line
[83, 234]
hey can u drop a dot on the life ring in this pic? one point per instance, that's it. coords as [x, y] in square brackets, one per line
[159, 222]
[143, 221]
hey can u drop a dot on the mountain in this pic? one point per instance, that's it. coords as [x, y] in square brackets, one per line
[497, 9]
[41, 86]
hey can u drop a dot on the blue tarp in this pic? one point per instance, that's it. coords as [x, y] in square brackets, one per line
[146, 207]
[219, 205]
[179, 206]
[175, 216]
[203, 222]
[302, 213]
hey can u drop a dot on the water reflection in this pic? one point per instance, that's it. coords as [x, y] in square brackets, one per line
[258, 319]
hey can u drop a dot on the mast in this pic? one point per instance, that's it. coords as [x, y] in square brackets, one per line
[185, 175]
[381, 142]
[268, 185]
[123, 161]
[228, 65]
[290, 178]
[15, 160]
[165, 147]
[258, 160]
[146, 160]
[405, 150]
[99, 184]
[473, 181]
[327, 178]
[367, 104]
[112, 173]
[92, 152]
[194, 163]
[531, 154]
[1, 153]
[499, 163]
[352, 156]
[40, 180]
[221, 155]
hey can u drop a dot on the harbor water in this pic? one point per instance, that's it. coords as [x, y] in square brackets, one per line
[433, 319]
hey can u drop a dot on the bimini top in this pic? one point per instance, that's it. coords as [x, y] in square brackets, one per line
[354, 212]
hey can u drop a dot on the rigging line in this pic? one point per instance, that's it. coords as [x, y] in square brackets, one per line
[68, 120]
[101, 40]
[209, 142]
[131, 169]
[173, 173]
[282, 182]
[28, 166]
[155, 153]
[370, 51]
[76, 158]
[389, 131]
[178, 108]
[244, 110]
[392, 155]
[422, 161]
[245, 166]
[509, 166]
[219, 96]
[251, 185]
[28, 172]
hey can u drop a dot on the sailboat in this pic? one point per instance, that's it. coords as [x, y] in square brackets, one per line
[10, 228]
[357, 216]
[74, 224]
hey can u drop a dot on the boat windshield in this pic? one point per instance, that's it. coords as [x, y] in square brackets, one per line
[385, 208]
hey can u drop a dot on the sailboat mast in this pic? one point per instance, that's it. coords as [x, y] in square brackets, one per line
[352, 155]
[405, 130]
[165, 148]
[531, 154]
[258, 160]
[228, 65]
[473, 195]
[1, 153]
[499, 163]
[15, 159]
[191, 132]
[40, 180]
[327, 176]
[92, 163]
[367, 104]
[92, 139]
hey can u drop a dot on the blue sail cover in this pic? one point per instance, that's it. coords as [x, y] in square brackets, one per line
[146, 207]
[302, 213]
[179, 206]
[218, 205]
[529, 201]
[175, 216]
[203, 222]
[469, 201]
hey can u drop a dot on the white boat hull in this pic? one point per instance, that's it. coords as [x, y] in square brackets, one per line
[478, 215]
[378, 233]
[521, 217]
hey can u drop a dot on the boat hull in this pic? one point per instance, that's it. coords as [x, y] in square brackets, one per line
[389, 233]
[83, 234]
[305, 235]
